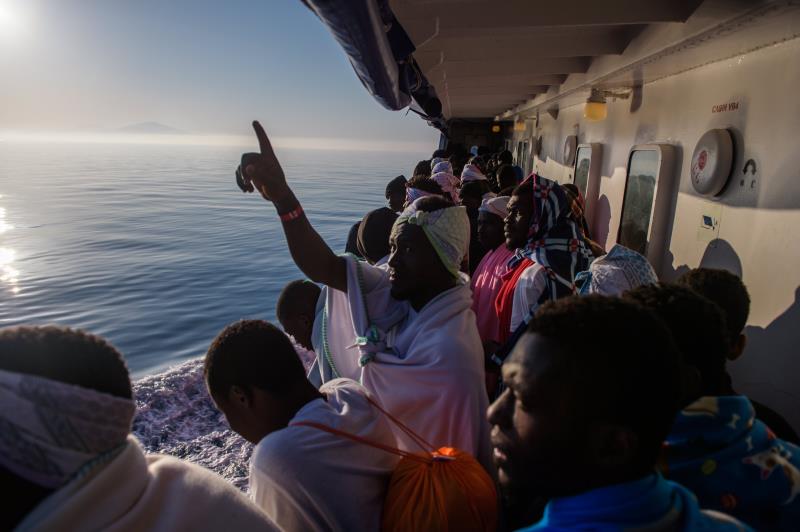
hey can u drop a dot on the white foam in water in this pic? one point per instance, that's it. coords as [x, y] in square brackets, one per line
[175, 416]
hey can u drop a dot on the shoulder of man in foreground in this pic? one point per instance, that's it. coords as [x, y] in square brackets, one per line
[213, 503]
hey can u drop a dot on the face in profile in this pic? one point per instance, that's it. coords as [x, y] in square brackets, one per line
[535, 434]
[250, 414]
[411, 262]
[397, 198]
[490, 230]
[518, 222]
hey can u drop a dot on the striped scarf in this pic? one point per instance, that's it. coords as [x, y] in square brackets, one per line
[555, 239]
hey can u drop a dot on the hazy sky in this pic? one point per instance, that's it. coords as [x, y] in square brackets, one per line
[202, 66]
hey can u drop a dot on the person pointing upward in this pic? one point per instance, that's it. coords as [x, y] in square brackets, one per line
[415, 345]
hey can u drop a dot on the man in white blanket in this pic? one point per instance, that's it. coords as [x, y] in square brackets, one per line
[323, 458]
[67, 459]
[415, 344]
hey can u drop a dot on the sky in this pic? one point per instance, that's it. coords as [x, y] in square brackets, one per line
[201, 66]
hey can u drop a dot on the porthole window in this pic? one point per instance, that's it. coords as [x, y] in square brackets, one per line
[583, 161]
[586, 176]
[637, 206]
[647, 201]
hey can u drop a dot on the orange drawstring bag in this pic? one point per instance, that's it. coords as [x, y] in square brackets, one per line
[434, 490]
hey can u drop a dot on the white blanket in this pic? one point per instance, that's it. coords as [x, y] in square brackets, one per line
[428, 367]
[305, 478]
[136, 492]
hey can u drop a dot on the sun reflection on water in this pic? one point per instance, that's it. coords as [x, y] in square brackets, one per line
[8, 274]
[4, 226]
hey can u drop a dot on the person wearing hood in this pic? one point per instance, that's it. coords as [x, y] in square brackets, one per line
[549, 251]
[717, 447]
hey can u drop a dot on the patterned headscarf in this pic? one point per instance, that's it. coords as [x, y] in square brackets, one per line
[446, 229]
[50, 430]
[620, 270]
[413, 194]
[555, 239]
[449, 184]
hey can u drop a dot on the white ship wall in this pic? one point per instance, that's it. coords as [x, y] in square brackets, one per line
[758, 214]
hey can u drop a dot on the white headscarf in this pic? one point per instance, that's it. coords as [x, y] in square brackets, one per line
[472, 173]
[435, 161]
[497, 206]
[442, 166]
[446, 229]
[51, 430]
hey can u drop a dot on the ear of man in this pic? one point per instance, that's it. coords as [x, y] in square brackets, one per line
[738, 347]
[613, 447]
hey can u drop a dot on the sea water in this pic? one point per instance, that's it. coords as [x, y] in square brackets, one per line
[155, 248]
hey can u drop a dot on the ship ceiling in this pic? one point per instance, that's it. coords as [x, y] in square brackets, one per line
[487, 56]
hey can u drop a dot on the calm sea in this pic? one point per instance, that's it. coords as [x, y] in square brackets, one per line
[153, 246]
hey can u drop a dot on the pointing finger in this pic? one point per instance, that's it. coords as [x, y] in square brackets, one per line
[263, 140]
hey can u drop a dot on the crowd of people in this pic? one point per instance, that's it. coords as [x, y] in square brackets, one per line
[471, 317]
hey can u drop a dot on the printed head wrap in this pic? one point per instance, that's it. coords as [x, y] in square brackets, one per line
[50, 430]
[620, 270]
[413, 194]
[555, 239]
[446, 229]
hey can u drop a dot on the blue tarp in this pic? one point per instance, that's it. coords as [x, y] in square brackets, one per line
[380, 52]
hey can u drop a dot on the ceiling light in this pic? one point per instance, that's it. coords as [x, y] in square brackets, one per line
[595, 109]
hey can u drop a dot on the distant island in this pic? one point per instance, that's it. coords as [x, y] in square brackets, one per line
[149, 128]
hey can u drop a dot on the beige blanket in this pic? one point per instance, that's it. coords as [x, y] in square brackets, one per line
[138, 492]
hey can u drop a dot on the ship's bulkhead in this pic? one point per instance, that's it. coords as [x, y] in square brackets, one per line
[671, 85]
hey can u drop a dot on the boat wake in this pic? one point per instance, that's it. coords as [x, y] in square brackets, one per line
[175, 416]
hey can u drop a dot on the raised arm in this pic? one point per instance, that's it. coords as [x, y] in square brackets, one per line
[311, 254]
